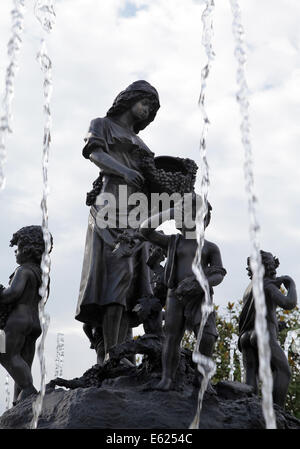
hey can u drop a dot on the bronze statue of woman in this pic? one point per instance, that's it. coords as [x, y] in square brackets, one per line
[109, 283]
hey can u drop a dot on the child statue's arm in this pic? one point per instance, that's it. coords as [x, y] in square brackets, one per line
[215, 272]
[147, 229]
[14, 292]
[272, 286]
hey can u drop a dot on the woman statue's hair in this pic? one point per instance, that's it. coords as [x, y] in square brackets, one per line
[132, 94]
[31, 242]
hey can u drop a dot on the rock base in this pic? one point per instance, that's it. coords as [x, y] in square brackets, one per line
[127, 405]
[120, 395]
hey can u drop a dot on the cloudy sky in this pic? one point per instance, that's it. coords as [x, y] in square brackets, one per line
[97, 49]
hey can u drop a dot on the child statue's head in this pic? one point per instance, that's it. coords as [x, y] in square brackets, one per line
[189, 213]
[30, 243]
[270, 263]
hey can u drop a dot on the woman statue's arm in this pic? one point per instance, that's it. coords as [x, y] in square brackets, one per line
[108, 163]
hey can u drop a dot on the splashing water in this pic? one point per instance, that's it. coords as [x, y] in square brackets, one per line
[44, 11]
[241, 363]
[292, 340]
[287, 343]
[7, 392]
[255, 257]
[13, 50]
[296, 342]
[232, 350]
[60, 354]
[37, 405]
[205, 365]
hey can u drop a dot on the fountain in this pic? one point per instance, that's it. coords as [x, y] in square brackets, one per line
[44, 11]
[242, 98]
[13, 49]
[205, 365]
[108, 376]
[256, 264]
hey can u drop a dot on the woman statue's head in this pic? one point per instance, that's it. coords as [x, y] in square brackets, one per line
[136, 92]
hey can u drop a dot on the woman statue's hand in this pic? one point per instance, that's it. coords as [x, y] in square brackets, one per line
[133, 178]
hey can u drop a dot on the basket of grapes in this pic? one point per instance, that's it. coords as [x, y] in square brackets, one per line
[169, 174]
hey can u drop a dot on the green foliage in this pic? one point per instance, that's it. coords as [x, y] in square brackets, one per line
[292, 321]
[227, 325]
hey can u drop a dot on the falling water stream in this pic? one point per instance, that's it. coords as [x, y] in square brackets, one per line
[205, 365]
[44, 12]
[257, 268]
[232, 350]
[292, 340]
[7, 392]
[60, 354]
[241, 362]
[13, 50]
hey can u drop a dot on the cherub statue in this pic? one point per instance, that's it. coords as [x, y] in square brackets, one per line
[247, 334]
[19, 309]
[185, 296]
[149, 309]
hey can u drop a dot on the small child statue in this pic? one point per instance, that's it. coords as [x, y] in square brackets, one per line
[247, 335]
[19, 316]
[185, 296]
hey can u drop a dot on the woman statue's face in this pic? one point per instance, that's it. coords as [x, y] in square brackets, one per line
[141, 110]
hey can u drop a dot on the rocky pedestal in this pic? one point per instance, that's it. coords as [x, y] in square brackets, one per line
[123, 396]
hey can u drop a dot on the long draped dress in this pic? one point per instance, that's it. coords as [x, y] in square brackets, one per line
[106, 278]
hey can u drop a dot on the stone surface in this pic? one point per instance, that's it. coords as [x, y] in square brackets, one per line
[233, 390]
[122, 403]
[120, 395]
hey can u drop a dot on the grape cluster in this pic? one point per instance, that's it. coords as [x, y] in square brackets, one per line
[191, 167]
[160, 180]
[92, 195]
[91, 377]
[124, 238]
[188, 288]
[128, 237]
[160, 289]
[4, 313]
